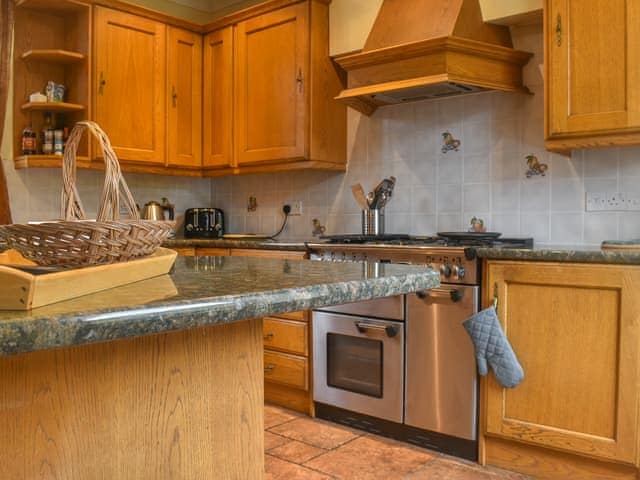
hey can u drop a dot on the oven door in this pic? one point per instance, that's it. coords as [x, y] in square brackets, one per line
[359, 364]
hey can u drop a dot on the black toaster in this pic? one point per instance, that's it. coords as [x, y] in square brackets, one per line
[203, 223]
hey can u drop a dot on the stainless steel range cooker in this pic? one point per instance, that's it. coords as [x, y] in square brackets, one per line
[403, 366]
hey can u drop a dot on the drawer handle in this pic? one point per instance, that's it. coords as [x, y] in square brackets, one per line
[268, 336]
[269, 368]
[455, 295]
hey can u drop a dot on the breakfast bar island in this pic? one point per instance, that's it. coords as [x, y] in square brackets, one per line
[161, 379]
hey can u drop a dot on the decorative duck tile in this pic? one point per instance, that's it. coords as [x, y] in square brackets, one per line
[535, 167]
[450, 143]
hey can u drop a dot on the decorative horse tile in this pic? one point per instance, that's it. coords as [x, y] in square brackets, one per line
[450, 143]
[535, 167]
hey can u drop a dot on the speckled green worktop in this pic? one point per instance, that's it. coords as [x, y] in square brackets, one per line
[226, 243]
[563, 254]
[205, 291]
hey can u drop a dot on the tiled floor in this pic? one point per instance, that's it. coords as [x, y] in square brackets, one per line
[301, 448]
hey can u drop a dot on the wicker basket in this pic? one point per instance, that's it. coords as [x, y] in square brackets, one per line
[76, 242]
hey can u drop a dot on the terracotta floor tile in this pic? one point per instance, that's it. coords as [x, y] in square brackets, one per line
[276, 415]
[451, 469]
[370, 457]
[271, 441]
[296, 452]
[276, 469]
[316, 432]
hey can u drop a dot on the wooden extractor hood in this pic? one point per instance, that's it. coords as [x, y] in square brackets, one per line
[421, 49]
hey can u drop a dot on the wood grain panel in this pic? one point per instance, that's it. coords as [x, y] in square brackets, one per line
[272, 85]
[184, 98]
[575, 330]
[185, 251]
[285, 335]
[179, 405]
[218, 99]
[130, 84]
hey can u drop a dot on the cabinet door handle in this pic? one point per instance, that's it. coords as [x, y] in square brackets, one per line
[174, 96]
[268, 336]
[103, 82]
[269, 368]
[559, 30]
[299, 80]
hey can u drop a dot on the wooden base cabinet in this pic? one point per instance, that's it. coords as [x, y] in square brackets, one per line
[592, 80]
[576, 331]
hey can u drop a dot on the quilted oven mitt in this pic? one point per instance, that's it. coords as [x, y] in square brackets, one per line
[492, 346]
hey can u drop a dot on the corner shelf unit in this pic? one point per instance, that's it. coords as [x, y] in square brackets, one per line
[52, 42]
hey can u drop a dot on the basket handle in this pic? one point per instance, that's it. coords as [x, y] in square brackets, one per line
[115, 187]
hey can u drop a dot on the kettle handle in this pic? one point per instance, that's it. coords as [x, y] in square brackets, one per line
[170, 207]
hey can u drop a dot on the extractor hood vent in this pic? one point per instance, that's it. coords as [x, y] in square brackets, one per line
[424, 49]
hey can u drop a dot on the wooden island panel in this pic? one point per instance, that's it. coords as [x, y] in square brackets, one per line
[179, 405]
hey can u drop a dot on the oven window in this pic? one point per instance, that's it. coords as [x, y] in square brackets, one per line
[354, 364]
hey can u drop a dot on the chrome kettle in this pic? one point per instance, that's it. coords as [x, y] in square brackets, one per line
[155, 211]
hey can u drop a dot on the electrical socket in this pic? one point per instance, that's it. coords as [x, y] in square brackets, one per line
[612, 201]
[296, 207]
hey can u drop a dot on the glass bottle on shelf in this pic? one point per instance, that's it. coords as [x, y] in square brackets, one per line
[28, 141]
[47, 134]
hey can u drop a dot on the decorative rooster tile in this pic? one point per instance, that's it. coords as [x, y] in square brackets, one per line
[535, 167]
[450, 143]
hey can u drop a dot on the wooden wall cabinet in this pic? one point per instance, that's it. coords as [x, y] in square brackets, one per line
[576, 331]
[184, 98]
[218, 99]
[592, 79]
[130, 84]
[283, 83]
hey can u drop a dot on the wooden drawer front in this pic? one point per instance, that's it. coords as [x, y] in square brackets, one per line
[212, 252]
[286, 369]
[285, 335]
[283, 254]
[185, 251]
[300, 315]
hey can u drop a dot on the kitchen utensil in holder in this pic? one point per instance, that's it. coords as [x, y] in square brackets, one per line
[373, 221]
[77, 242]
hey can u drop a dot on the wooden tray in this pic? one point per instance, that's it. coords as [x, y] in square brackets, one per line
[24, 290]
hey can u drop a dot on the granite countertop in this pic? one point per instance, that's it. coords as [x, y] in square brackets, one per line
[181, 242]
[562, 253]
[205, 291]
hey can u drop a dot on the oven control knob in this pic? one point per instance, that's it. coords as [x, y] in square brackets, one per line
[445, 270]
[458, 271]
[188, 227]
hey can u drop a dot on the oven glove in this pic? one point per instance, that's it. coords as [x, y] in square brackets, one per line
[492, 346]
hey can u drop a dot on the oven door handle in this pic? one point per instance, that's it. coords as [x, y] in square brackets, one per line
[455, 294]
[390, 330]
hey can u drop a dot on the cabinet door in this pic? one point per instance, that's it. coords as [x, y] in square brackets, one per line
[575, 331]
[271, 86]
[130, 84]
[218, 98]
[184, 98]
[593, 82]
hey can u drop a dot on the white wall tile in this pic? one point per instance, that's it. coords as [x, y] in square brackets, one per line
[477, 197]
[566, 228]
[595, 223]
[449, 198]
[567, 195]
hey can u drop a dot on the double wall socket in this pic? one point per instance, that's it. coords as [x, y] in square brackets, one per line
[612, 201]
